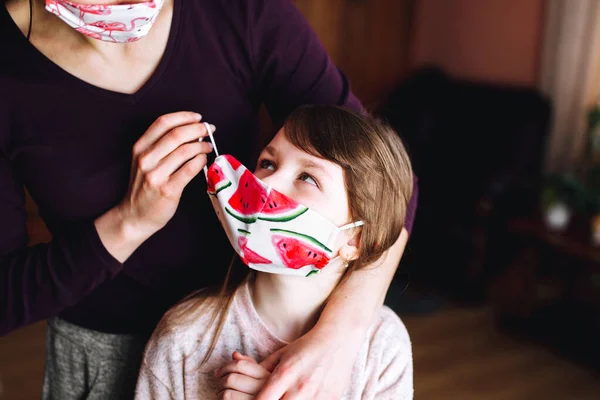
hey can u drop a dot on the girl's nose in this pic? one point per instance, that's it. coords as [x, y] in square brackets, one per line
[277, 181]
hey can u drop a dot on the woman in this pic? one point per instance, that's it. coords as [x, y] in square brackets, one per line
[91, 123]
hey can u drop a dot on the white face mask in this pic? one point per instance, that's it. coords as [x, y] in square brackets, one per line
[117, 23]
[269, 231]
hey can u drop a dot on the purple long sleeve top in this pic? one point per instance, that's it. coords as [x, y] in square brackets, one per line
[69, 143]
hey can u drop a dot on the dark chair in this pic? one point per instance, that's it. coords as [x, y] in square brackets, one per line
[477, 150]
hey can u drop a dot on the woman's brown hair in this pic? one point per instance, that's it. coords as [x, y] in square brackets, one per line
[378, 180]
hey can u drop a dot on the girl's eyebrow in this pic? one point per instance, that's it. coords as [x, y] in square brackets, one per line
[308, 164]
[305, 162]
[271, 150]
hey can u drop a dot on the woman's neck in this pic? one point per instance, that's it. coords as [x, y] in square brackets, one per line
[46, 24]
[120, 67]
[289, 305]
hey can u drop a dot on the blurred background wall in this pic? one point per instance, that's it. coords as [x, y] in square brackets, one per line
[503, 302]
[491, 40]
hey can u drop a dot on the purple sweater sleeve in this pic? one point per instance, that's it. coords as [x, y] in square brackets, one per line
[39, 281]
[294, 68]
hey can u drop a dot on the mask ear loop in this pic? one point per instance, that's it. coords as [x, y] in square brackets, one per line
[212, 140]
[352, 225]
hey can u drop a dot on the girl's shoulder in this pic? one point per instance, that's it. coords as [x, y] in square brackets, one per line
[388, 329]
[182, 346]
[183, 329]
[386, 368]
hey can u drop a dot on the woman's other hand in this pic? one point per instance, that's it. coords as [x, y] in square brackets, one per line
[241, 379]
[316, 366]
[164, 160]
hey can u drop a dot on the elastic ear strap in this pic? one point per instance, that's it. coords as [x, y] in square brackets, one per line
[352, 225]
[212, 139]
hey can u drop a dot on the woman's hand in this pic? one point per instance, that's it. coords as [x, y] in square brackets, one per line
[164, 160]
[316, 366]
[242, 378]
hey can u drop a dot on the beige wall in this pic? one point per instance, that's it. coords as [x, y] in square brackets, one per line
[489, 40]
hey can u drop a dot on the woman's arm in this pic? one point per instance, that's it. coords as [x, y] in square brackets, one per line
[40, 281]
[319, 364]
[355, 302]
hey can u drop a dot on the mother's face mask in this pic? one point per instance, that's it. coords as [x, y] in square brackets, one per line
[116, 23]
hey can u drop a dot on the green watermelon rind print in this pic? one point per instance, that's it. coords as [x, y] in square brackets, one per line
[219, 188]
[313, 272]
[302, 236]
[284, 217]
[243, 232]
[245, 219]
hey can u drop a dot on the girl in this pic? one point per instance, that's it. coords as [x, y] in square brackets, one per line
[328, 167]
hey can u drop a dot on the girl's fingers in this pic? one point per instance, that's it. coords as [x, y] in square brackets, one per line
[239, 356]
[162, 125]
[241, 383]
[245, 367]
[234, 395]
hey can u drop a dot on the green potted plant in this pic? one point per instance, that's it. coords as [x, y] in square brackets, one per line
[593, 202]
[562, 196]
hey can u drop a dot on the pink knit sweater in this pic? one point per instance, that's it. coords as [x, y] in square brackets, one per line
[383, 368]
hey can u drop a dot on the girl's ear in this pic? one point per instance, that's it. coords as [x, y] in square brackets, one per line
[349, 251]
[355, 240]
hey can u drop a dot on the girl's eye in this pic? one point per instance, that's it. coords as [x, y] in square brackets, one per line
[266, 164]
[308, 179]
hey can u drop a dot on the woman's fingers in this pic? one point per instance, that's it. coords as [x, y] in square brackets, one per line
[277, 386]
[169, 143]
[178, 157]
[165, 159]
[245, 367]
[271, 362]
[178, 180]
[162, 125]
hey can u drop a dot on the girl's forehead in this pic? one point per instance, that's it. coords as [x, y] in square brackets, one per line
[280, 146]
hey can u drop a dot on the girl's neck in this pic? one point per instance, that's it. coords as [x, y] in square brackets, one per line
[289, 305]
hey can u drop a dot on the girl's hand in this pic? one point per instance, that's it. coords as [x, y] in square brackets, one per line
[242, 378]
[316, 366]
[164, 160]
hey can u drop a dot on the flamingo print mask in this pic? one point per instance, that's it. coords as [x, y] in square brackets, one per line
[116, 23]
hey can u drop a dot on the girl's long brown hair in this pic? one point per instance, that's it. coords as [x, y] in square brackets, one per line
[378, 180]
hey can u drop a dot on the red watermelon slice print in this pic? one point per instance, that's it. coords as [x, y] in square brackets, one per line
[216, 180]
[249, 256]
[248, 199]
[280, 208]
[298, 250]
[235, 164]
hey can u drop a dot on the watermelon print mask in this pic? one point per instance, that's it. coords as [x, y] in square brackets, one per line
[116, 23]
[268, 230]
